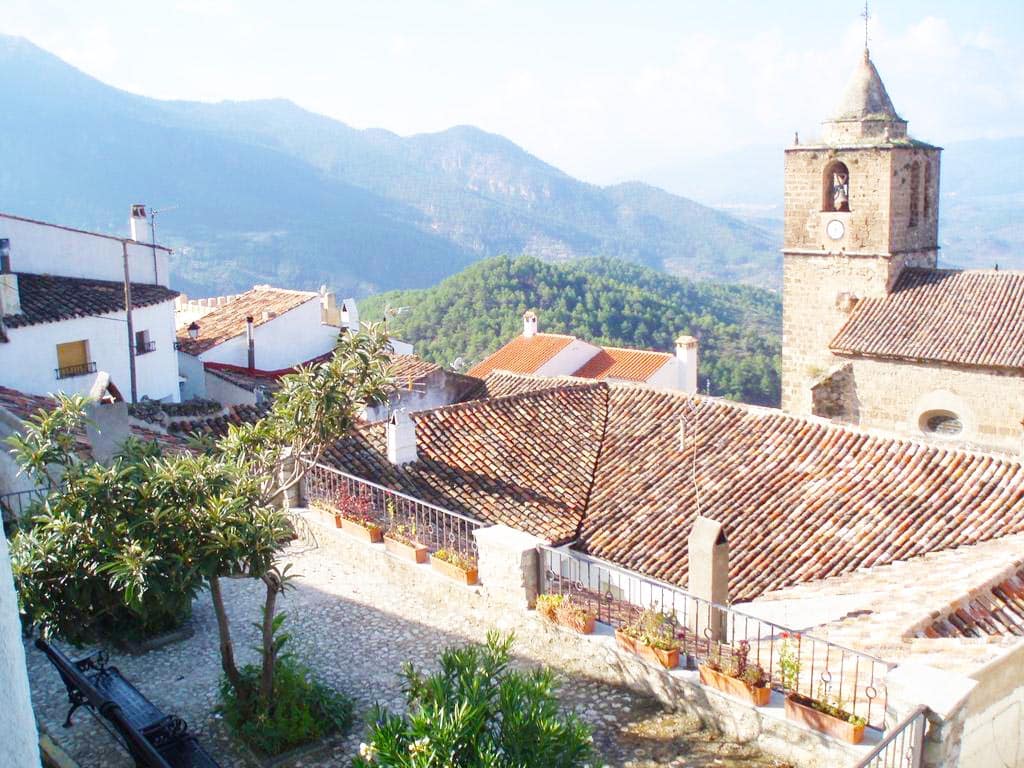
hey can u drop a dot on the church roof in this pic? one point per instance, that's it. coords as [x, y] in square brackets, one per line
[971, 318]
[607, 467]
[865, 97]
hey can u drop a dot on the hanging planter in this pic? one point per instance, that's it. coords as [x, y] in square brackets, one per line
[734, 686]
[405, 549]
[455, 566]
[364, 530]
[841, 725]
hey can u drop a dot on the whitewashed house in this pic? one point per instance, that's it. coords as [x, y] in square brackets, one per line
[261, 334]
[556, 355]
[63, 316]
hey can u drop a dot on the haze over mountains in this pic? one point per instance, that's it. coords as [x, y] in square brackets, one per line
[981, 187]
[269, 192]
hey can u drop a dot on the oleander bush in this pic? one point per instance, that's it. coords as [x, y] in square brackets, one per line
[477, 712]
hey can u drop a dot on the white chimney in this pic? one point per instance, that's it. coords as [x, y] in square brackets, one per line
[530, 324]
[10, 296]
[140, 232]
[350, 315]
[686, 353]
[401, 438]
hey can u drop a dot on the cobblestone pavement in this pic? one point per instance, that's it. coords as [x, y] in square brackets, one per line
[355, 629]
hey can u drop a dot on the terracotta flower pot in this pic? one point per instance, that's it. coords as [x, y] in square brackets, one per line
[799, 710]
[362, 532]
[414, 553]
[668, 659]
[453, 571]
[584, 626]
[624, 641]
[734, 687]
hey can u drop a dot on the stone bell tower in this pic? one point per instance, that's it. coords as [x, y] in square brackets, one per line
[860, 205]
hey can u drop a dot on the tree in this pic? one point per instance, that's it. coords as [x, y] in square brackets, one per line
[150, 526]
[476, 712]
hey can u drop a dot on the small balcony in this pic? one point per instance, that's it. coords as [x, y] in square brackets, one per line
[70, 371]
[142, 349]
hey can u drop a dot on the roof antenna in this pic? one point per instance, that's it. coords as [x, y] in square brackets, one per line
[866, 15]
[691, 406]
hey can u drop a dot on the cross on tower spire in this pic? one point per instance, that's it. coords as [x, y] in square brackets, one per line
[866, 15]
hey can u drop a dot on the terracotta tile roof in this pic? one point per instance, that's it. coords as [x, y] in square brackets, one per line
[623, 364]
[968, 318]
[48, 299]
[218, 424]
[522, 354]
[409, 369]
[995, 612]
[504, 384]
[23, 405]
[525, 461]
[228, 321]
[801, 498]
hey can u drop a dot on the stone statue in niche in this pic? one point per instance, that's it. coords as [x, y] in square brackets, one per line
[840, 191]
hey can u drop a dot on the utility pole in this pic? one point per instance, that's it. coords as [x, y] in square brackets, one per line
[128, 312]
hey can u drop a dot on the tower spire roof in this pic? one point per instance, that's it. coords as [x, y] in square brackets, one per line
[865, 113]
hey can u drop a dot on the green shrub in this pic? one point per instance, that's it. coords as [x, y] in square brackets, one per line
[477, 713]
[300, 711]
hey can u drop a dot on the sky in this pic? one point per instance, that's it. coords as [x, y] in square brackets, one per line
[605, 90]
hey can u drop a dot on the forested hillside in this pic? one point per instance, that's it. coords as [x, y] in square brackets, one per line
[471, 314]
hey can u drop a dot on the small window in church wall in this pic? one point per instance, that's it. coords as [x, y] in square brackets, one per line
[941, 423]
[915, 192]
[836, 187]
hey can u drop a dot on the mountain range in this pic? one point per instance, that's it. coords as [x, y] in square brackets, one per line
[264, 191]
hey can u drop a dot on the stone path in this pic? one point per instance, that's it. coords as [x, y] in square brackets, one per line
[355, 628]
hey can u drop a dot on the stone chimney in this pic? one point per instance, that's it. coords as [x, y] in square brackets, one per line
[10, 296]
[139, 228]
[330, 313]
[708, 579]
[530, 324]
[686, 353]
[250, 339]
[401, 438]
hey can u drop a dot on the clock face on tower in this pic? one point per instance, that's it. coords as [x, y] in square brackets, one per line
[835, 229]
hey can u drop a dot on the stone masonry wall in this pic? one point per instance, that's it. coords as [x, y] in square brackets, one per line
[892, 395]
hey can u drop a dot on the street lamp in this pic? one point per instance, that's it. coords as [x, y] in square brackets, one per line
[193, 330]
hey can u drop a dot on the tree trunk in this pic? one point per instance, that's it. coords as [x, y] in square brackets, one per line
[227, 648]
[269, 660]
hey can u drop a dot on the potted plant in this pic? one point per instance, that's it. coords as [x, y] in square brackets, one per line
[736, 676]
[825, 713]
[401, 540]
[651, 636]
[353, 514]
[455, 566]
[564, 610]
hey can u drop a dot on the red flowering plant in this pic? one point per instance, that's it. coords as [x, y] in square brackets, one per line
[357, 507]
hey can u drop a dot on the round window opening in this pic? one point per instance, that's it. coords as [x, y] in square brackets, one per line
[941, 423]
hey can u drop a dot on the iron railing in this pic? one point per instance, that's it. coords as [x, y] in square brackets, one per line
[13, 505]
[705, 630]
[902, 747]
[433, 526]
[142, 349]
[70, 371]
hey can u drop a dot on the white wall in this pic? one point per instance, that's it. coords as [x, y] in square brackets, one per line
[569, 360]
[28, 360]
[46, 249]
[19, 747]
[191, 370]
[285, 341]
[226, 393]
[674, 375]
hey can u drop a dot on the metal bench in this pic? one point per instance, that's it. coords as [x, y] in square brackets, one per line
[153, 739]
